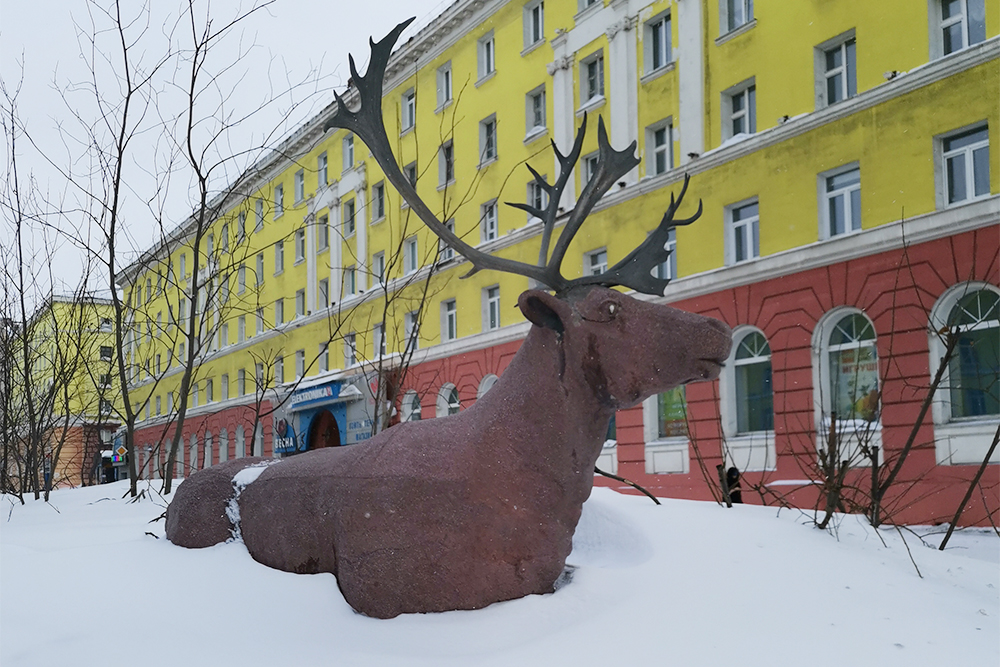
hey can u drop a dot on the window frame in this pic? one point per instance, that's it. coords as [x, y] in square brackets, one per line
[300, 245]
[533, 21]
[410, 406]
[323, 169]
[279, 200]
[938, 25]
[747, 450]
[589, 264]
[662, 23]
[279, 257]
[488, 148]
[446, 164]
[941, 164]
[408, 111]
[378, 267]
[349, 213]
[753, 237]
[486, 57]
[746, 91]
[727, 22]
[592, 81]
[449, 402]
[347, 152]
[378, 202]
[300, 186]
[445, 86]
[322, 234]
[411, 256]
[350, 350]
[489, 227]
[532, 130]
[653, 150]
[848, 66]
[491, 307]
[825, 196]
[449, 320]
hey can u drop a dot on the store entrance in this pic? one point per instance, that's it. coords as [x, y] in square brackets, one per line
[324, 431]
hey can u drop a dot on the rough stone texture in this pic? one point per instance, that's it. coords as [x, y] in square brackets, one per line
[479, 507]
[196, 517]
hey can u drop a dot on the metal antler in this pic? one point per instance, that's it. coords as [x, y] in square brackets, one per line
[634, 271]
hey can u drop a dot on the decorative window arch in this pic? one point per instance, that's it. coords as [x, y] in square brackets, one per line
[966, 406]
[846, 381]
[485, 385]
[223, 445]
[239, 442]
[208, 449]
[448, 402]
[411, 409]
[747, 401]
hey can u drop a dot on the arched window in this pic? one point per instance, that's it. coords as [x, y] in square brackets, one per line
[411, 406]
[754, 394]
[447, 401]
[208, 449]
[258, 441]
[240, 442]
[194, 452]
[974, 368]
[223, 445]
[486, 384]
[852, 369]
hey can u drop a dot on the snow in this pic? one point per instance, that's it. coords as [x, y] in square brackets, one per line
[686, 583]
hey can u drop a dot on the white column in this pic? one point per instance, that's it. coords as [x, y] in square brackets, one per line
[691, 70]
[623, 84]
[563, 126]
[336, 251]
[310, 224]
[361, 231]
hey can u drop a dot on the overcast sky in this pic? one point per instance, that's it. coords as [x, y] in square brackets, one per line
[292, 42]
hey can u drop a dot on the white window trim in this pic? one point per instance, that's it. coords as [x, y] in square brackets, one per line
[941, 168]
[484, 227]
[443, 180]
[662, 455]
[530, 42]
[531, 130]
[824, 208]
[406, 406]
[729, 241]
[445, 86]
[486, 58]
[724, 29]
[936, 20]
[445, 329]
[588, 257]
[443, 403]
[300, 186]
[279, 200]
[484, 159]
[380, 186]
[487, 383]
[486, 303]
[407, 112]
[819, 64]
[727, 109]
[650, 166]
[964, 440]
[347, 152]
[411, 258]
[752, 451]
[647, 45]
[590, 102]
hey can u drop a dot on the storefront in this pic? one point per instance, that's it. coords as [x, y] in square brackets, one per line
[327, 413]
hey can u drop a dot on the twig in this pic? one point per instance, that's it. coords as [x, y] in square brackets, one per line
[908, 553]
[629, 482]
[972, 486]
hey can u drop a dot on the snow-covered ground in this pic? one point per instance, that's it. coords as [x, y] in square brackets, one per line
[686, 583]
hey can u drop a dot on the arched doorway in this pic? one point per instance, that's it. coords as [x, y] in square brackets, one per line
[324, 431]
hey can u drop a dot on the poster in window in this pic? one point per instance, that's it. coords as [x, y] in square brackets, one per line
[672, 413]
[854, 374]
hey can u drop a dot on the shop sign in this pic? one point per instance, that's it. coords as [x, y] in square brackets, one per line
[284, 443]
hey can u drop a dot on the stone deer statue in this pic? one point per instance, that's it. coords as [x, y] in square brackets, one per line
[481, 506]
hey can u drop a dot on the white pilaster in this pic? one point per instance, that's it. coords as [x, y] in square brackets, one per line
[561, 71]
[691, 72]
[623, 84]
[361, 231]
[311, 278]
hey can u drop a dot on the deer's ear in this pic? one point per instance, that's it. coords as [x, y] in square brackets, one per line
[543, 309]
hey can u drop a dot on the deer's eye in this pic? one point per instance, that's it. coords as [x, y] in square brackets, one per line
[611, 308]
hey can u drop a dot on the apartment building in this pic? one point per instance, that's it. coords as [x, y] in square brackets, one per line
[841, 152]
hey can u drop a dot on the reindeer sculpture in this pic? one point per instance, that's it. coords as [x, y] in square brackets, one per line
[481, 506]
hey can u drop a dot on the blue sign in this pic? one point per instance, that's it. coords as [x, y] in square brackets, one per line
[284, 442]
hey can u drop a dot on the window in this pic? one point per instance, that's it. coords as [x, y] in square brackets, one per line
[378, 340]
[349, 222]
[535, 113]
[106, 352]
[149, 290]
[223, 335]
[409, 110]
[322, 169]
[324, 357]
[104, 380]
[157, 406]
[241, 283]
[241, 382]
[446, 164]
[592, 79]
[411, 260]
[300, 364]
[671, 414]
[260, 269]
[590, 163]
[241, 225]
[668, 269]
[279, 311]
[740, 106]
[300, 186]
[350, 282]
[842, 202]
[259, 215]
[279, 200]
[735, 13]
[300, 245]
[224, 387]
[596, 262]
[194, 397]
[241, 329]
[485, 385]
[489, 221]
[491, 308]
[348, 152]
[300, 303]
[534, 23]
[411, 407]
[850, 390]
[183, 267]
[448, 402]
[744, 234]
[444, 85]
[449, 320]
[350, 350]
[411, 329]
[410, 171]
[754, 392]
[209, 391]
[962, 24]
[378, 267]
[259, 314]
[974, 390]
[487, 140]
[538, 198]
[487, 55]
[837, 71]
[279, 257]
[324, 293]
[279, 371]
[657, 43]
[445, 251]
[182, 308]
[966, 165]
[378, 201]
[225, 249]
[660, 139]
[323, 233]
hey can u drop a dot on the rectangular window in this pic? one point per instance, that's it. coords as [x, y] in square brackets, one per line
[534, 23]
[487, 140]
[279, 200]
[491, 314]
[259, 212]
[183, 267]
[324, 293]
[300, 245]
[489, 224]
[411, 327]
[300, 186]
[322, 233]
[260, 269]
[446, 164]
[106, 352]
[194, 398]
[668, 269]
[744, 224]
[225, 248]
[966, 165]
[963, 23]
[350, 282]
[224, 334]
[444, 84]
[408, 110]
[258, 375]
[300, 303]
[300, 364]
[658, 45]
[322, 169]
[671, 412]
[378, 340]
[660, 138]
[241, 225]
[279, 311]
[157, 405]
[839, 69]
[241, 329]
[279, 370]
[348, 152]
[260, 320]
[349, 222]
[224, 387]
[241, 382]
[209, 391]
[589, 167]
[449, 313]
[410, 171]
[411, 260]
[279, 257]
[596, 262]
[592, 78]
[350, 350]
[537, 197]
[487, 55]
[324, 357]
[445, 251]
[378, 201]
[842, 195]
[378, 267]
[736, 13]
[241, 281]
[535, 112]
[740, 105]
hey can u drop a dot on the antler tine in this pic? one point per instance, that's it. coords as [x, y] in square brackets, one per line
[611, 166]
[635, 270]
